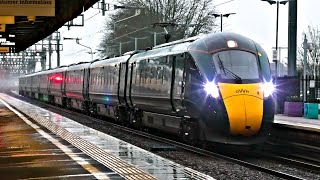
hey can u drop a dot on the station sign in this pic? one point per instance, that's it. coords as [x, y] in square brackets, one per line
[7, 20]
[4, 49]
[275, 55]
[27, 7]
[2, 28]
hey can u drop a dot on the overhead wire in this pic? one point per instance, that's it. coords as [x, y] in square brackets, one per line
[70, 54]
[223, 3]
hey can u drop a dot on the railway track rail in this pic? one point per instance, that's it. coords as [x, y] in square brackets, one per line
[179, 145]
[304, 156]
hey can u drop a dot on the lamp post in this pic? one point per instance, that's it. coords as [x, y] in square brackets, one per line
[277, 2]
[221, 17]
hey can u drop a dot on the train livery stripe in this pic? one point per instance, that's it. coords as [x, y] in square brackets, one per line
[244, 105]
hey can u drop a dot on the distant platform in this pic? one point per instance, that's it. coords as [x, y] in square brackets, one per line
[298, 122]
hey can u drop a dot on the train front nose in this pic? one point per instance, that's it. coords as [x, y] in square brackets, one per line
[244, 106]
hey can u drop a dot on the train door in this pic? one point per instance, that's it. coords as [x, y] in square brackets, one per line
[179, 74]
[86, 79]
[122, 83]
[193, 86]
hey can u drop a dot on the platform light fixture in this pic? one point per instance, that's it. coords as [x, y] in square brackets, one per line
[277, 2]
[221, 17]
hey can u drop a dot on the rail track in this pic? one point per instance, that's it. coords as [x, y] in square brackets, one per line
[75, 115]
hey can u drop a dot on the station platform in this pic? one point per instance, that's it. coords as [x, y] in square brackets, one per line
[38, 144]
[298, 123]
[28, 152]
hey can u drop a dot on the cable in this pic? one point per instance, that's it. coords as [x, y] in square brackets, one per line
[70, 54]
[130, 33]
[223, 3]
[92, 16]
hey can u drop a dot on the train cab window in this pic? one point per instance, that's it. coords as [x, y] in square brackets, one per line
[236, 65]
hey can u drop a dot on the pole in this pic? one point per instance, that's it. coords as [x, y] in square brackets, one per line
[305, 51]
[135, 43]
[277, 30]
[292, 38]
[50, 51]
[154, 38]
[120, 48]
[44, 55]
[277, 27]
[221, 20]
[91, 52]
[279, 63]
[58, 52]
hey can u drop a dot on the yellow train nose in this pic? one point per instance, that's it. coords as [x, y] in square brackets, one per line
[244, 105]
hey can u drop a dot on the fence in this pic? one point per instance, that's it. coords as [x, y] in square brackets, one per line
[293, 88]
[312, 86]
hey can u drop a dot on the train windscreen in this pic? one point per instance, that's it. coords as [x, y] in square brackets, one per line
[236, 65]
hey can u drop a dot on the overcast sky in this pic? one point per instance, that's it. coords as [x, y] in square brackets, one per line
[254, 19]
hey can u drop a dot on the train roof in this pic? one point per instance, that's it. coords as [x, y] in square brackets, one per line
[181, 41]
[174, 48]
[110, 61]
[78, 66]
[217, 41]
[57, 70]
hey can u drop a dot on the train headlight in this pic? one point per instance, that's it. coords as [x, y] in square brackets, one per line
[211, 89]
[268, 88]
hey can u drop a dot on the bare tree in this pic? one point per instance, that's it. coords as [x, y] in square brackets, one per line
[313, 37]
[184, 19]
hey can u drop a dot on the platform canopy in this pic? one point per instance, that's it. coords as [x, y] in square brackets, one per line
[25, 22]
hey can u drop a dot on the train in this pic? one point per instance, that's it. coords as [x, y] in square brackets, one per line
[214, 88]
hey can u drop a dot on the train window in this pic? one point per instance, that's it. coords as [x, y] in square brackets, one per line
[140, 76]
[154, 75]
[102, 77]
[235, 64]
[163, 74]
[136, 76]
[159, 75]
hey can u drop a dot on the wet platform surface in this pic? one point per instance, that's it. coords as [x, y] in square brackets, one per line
[298, 122]
[129, 161]
[26, 154]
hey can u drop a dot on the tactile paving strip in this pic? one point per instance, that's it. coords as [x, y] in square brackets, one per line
[119, 166]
